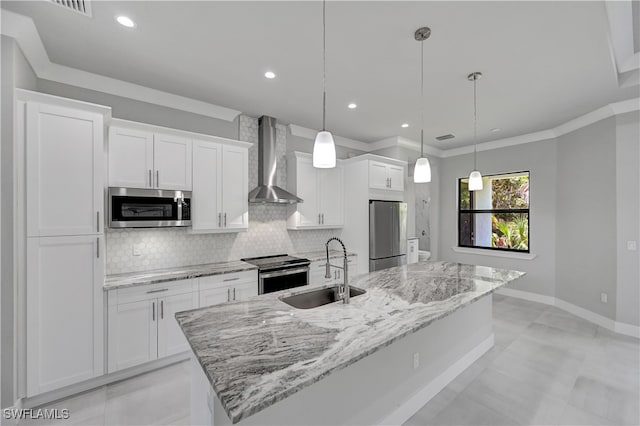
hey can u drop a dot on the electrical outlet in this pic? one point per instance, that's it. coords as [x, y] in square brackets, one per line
[416, 360]
[603, 297]
[136, 249]
[632, 245]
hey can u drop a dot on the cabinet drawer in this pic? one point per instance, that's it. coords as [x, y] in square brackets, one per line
[215, 281]
[152, 291]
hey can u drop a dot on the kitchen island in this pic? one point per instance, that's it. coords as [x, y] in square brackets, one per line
[261, 361]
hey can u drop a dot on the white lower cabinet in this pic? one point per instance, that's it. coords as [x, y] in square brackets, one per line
[141, 322]
[64, 311]
[231, 287]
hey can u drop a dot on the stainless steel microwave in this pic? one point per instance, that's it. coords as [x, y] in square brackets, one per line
[148, 208]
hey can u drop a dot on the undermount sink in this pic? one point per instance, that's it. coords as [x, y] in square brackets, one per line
[314, 298]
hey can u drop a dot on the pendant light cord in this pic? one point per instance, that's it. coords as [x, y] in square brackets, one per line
[475, 124]
[422, 98]
[324, 65]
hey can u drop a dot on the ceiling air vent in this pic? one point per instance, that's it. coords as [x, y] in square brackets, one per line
[82, 7]
[445, 137]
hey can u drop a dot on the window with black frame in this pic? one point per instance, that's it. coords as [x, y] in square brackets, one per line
[497, 217]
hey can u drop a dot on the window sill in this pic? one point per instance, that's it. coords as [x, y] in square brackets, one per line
[495, 253]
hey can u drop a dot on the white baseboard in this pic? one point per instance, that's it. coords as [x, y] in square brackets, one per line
[403, 413]
[47, 397]
[602, 321]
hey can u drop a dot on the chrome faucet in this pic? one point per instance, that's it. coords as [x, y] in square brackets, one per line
[344, 291]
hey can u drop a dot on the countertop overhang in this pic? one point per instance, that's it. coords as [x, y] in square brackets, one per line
[260, 351]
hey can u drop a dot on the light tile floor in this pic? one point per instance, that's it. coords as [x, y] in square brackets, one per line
[548, 367]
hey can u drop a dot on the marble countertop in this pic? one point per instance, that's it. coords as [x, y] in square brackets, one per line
[172, 274]
[259, 351]
[315, 256]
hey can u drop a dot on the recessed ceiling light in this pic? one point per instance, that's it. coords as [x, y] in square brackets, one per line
[496, 129]
[405, 125]
[270, 74]
[352, 106]
[125, 21]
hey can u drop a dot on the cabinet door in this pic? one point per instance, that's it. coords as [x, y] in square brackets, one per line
[396, 177]
[378, 175]
[171, 340]
[214, 296]
[331, 197]
[306, 179]
[172, 162]
[65, 177]
[130, 158]
[206, 203]
[133, 334]
[235, 187]
[244, 291]
[64, 311]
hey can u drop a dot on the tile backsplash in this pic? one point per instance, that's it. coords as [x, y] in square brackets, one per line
[173, 247]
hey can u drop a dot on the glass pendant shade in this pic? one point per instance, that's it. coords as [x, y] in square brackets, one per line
[475, 181]
[422, 171]
[324, 151]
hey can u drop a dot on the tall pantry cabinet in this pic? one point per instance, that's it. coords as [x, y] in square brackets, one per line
[64, 164]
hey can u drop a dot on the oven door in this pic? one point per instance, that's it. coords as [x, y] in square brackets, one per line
[148, 208]
[282, 279]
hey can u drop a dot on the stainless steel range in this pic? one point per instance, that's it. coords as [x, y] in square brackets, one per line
[280, 272]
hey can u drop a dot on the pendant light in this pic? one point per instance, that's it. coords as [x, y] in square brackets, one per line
[475, 178]
[422, 170]
[324, 149]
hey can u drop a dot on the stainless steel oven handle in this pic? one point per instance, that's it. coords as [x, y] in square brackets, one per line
[284, 272]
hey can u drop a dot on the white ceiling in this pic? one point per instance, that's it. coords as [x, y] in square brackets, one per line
[544, 63]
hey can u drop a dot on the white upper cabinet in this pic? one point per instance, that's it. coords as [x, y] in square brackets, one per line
[140, 158]
[235, 187]
[321, 191]
[220, 186]
[65, 158]
[386, 176]
[206, 206]
[130, 158]
[172, 162]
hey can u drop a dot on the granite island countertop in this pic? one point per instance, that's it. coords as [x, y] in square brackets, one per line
[259, 351]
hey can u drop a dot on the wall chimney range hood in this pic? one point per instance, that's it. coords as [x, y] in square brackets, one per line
[267, 191]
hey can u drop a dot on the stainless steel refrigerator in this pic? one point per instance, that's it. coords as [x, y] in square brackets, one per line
[387, 234]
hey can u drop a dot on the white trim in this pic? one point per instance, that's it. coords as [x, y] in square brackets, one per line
[494, 253]
[602, 321]
[404, 412]
[24, 31]
[105, 379]
[305, 132]
[375, 157]
[620, 17]
[531, 297]
[144, 127]
[31, 96]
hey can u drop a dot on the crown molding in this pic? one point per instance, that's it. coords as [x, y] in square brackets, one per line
[24, 32]
[305, 132]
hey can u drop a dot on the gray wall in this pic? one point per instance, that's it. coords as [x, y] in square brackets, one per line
[16, 72]
[628, 217]
[540, 159]
[586, 217]
[130, 109]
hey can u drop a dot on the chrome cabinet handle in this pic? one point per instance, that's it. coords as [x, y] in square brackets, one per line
[150, 179]
[323, 218]
[219, 220]
[232, 279]
[225, 220]
[319, 219]
[153, 311]
[158, 178]
[157, 291]
[234, 293]
[228, 295]
[162, 309]
[98, 247]
[98, 221]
